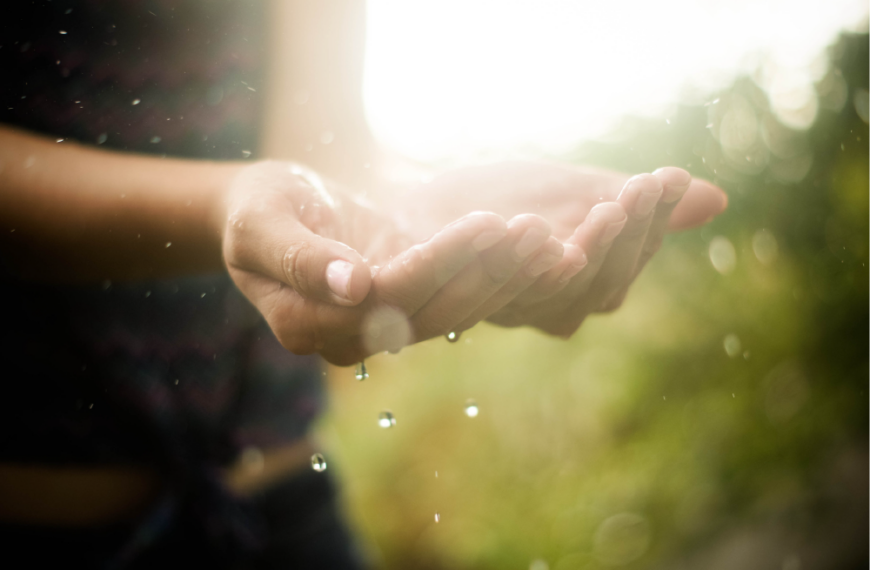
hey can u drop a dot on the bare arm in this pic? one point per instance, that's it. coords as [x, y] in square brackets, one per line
[69, 213]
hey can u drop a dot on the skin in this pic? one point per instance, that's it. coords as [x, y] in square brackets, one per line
[84, 215]
[610, 225]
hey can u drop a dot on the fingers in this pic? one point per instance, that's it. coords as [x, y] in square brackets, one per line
[411, 279]
[639, 198]
[586, 251]
[675, 182]
[701, 203]
[522, 248]
[550, 255]
[287, 251]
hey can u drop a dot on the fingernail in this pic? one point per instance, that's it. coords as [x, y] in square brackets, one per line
[543, 262]
[610, 232]
[531, 240]
[487, 239]
[572, 270]
[645, 203]
[338, 274]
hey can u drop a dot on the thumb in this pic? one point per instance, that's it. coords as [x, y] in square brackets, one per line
[314, 266]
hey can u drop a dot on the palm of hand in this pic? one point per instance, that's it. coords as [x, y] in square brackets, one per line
[565, 197]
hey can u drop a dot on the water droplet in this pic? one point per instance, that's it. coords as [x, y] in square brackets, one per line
[722, 254]
[436, 474]
[59, 140]
[732, 345]
[386, 419]
[437, 517]
[102, 138]
[201, 296]
[318, 462]
[765, 247]
[453, 336]
[62, 32]
[148, 294]
[155, 140]
[169, 244]
[91, 407]
[176, 381]
[471, 409]
[136, 101]
[246, 153]
[621, 539]
[361, 372]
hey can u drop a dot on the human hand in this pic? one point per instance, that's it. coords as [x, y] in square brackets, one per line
[605, 248]
[332, 276]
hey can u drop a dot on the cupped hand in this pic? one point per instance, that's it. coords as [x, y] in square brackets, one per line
[331, 275]
[610, 226]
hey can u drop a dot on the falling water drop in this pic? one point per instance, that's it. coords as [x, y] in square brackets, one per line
[437, 517]
[732, 345]
[452, 336]
[318, 462]
[471, 409]
[386, 419]
[246, 153]
[136, 101]
[361, 372]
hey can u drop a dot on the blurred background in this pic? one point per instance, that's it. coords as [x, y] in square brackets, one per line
[719, 419]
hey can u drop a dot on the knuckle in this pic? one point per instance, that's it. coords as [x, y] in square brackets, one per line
[295, 265]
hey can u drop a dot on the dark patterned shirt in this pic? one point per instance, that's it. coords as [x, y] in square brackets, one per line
[179, 373]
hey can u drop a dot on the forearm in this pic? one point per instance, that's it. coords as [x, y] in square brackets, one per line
[74, 214]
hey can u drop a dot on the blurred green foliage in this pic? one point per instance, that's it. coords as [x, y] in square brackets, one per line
[641, 443]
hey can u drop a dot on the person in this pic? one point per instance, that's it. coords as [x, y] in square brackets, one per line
[159, 310]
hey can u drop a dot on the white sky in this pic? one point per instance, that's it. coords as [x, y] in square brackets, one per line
[451, 78]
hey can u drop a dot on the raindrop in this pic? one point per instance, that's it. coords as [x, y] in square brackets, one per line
[437, 517]
[59, 140]
[765, 247]
[168, 244]
[63, 32]
[246, 153]
[453, 336]
[386, 419]
[471, 409]
[318, 462]
[361, 372]
[148, 294]
[102, 138]
[732, 345]
[621, 539]
[155, 140]
[722, 255]
[136, 101]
